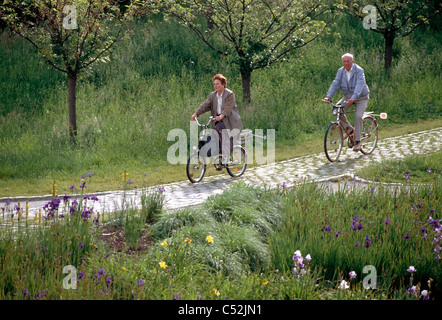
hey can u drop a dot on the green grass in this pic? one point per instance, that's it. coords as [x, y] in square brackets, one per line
[413, 169]
[155, 81]
[388, 229]
[254, 233]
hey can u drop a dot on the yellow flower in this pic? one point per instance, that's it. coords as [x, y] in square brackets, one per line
[209, 239]
[164, 243]
[163, 264]
[188, 240]
[215, 292]
[124, 269]
[265, 283]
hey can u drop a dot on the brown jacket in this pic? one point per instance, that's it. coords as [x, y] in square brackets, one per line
[232, 119]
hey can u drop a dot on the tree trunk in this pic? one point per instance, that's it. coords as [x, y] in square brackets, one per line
[72, 84]
[246, 79]
[388, 39]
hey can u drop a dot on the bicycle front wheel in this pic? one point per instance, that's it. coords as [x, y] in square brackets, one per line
[196, 167]
[237, 162]
[369, 135]
[333, 142]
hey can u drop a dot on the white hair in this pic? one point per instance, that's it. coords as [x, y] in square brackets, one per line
[347, 55]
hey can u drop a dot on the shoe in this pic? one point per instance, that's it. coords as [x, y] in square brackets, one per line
[357, 147]
[346, 135]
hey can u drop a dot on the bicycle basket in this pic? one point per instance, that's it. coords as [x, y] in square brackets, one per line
[208, 145]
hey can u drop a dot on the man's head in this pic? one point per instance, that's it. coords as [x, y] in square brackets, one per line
[347, 61]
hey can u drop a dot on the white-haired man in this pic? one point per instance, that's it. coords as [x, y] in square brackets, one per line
[351, 79]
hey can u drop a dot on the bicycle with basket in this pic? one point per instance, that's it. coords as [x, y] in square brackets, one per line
[202, 157]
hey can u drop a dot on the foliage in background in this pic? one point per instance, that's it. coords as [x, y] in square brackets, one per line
[394, 19]
[70, 35]
[253, 34]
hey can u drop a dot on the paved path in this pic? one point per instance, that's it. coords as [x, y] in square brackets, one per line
[313, 167]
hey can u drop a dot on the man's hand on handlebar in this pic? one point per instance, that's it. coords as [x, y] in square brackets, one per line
[192, 118]
[348, 102]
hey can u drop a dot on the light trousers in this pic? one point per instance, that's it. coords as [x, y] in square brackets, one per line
[361, 105]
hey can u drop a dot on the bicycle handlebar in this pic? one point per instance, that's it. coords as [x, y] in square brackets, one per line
[210, 119]
[344, 102]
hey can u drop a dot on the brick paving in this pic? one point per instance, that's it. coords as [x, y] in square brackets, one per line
[315, 168]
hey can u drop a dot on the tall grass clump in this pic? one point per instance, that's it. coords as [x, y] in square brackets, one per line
[235, 224]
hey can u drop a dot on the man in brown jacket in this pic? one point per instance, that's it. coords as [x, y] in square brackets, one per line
[222, 105]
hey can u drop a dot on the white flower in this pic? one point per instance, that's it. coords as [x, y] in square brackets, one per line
[411, 269]
[424, 294]
[297, 255]
[343, 285]
[308, 258]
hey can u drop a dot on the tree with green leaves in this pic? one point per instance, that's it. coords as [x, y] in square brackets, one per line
[70, 35]
[393, 18]
[253, 34]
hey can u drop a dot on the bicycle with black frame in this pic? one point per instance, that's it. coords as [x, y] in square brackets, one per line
[207, 152]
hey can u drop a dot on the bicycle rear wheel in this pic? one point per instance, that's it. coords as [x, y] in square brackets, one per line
[369, 135]
[237, 162]
[333, 142]
[196, 167]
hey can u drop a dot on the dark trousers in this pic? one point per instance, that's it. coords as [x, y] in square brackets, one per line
[219, 126]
